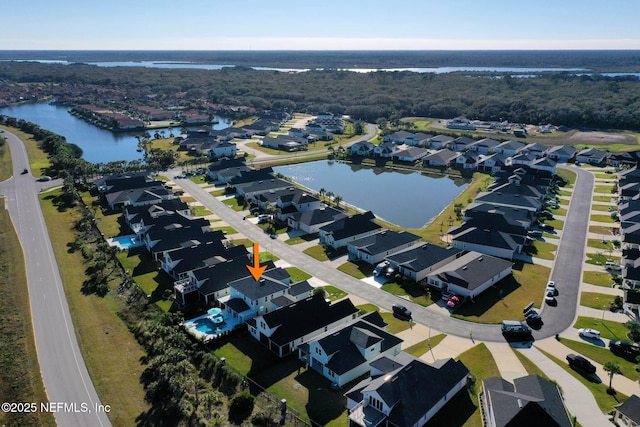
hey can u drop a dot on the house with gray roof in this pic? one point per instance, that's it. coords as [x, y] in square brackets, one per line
[561, 153]
[385, 150]
[343, 354]
[537, 149]
[312, 220]
[470, 275]
[361, 148]
[491, 242]
[529, 401]
[442, 157]
[520, 217]
[284, 330]
[592, 156]
[467, 160]
[411, 154]
[484, 146]
[512, 200]
[494, 162]
[147, 195]
[389, 398]
[342, 231]
[509, 148]
[374, 248]
[627, 413]
[439, 141]
[418, 261]
[523, 159]
[544, 164]
[180, 262]
[460, 144]
[249, 189]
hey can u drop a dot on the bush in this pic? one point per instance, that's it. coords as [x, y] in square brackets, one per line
[241, 405]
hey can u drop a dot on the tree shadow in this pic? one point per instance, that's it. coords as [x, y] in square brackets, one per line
[324, 403]
[456, 412]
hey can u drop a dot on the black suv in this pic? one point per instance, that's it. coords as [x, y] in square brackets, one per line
[625, 349]
[579, 362]
[401, 311]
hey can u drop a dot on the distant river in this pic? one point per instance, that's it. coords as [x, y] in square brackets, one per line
[407, 199]
[98, 145]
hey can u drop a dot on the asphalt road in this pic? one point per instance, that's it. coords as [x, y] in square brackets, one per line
[567, 272]
[65, 375]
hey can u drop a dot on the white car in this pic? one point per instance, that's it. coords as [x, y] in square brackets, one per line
[589, 333]
[551, 284]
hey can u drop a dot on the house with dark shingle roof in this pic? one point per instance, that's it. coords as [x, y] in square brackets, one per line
[529, 401]
[135, 216]
[389, 396]
[544, 164]
[442, 157]
[494, 163]
[468, 160]
[180, 262]
[345, 230]
[593, 156]
[343, 354]
[361, 148]
[627, 413]
[141, 196]
[509, 148]
[537, 149]
[312, 220]
[417, 262]
[484, 146]
[285, 329]
[470, 275]
[249, 189]
[439, 141]
[487, 241]
[517, 201]
[460, 144]
[521, 217]
[410, 154]
[374, 248]
[561, 153]
[177, 236]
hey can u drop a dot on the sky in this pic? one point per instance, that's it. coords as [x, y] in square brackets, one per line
[319, 25]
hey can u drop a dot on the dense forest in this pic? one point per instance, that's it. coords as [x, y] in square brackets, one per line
[561, 98]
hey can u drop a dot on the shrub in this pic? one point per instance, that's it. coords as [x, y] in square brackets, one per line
[241, 406]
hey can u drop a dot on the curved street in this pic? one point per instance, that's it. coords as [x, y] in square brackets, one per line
[63, 370]
[569, 256]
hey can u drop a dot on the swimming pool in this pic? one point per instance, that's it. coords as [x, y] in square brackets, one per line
[210, 325]
[125, 242]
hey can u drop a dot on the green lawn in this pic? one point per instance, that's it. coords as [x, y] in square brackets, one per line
[602, 199]
[595, 300]
[608, 329]
[233, 204]
[297, 275]
[395, 325]
[246, 242]
[559, 211]
[200, 211]
[463, 409]
[317, 252]
[226, 229]
[357, 269]
[568, 176]
[414, 291]
[544, 250]
[301, 239]
[602, 355]
[604, 189]
[602, 218]
[556, 223]
[506, 299]
[565, 193]
[599, 244]
[599, 390]
[600, 259]
[606, 231]
[601, 208]
[335, 294]
[597, 278]
[422, 347]
[218, 193]
[367, 308]
[529, 366]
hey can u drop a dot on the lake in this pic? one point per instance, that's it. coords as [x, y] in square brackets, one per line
[407, 199]
[98, 145]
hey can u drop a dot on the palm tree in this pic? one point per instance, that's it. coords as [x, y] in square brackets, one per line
[337, 200]
[612, 368]
[322, 192]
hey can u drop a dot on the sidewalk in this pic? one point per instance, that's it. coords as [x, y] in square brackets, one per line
[508, 363]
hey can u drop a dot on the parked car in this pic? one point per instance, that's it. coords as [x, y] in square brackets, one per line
[580, 363]
[446, 296]
[551, 284]
[611, 265]
[534, 233]
[45, 178]
[551, 291]
[453, 301]
[378, 271]
[546, 214]
[625, 349]
[25, 171]
[401, 311]
[533, 313]
[589, 333]
[546, 227]
[549, 297]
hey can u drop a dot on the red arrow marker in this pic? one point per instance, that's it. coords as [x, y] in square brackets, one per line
[256, 271]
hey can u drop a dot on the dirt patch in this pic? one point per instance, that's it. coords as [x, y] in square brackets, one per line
[601, 138]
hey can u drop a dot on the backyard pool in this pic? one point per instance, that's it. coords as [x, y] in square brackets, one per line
[125, 242]
[210, 325]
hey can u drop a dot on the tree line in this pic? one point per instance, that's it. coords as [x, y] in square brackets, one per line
[558, 98]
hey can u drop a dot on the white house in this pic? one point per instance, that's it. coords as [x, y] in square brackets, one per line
[374, 248]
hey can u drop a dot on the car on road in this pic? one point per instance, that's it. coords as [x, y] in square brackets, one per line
[533, 313]
[25, 171]
[625, 349]
[551, 284]
[589, 333]
[550, 297]
[401, 311]
[44, 178]
[580, 363]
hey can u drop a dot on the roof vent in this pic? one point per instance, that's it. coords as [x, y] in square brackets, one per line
[464, 268]
[480, 259]
[262, 281]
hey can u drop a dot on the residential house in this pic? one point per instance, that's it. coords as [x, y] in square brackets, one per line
[250, 175]
[385, 150]
[249, 298]
[361, 148]
[249, 189]
[374, 248]
[410, 155]
[418, 261]
[493, 163]
[630, 236]
[467, 160]
[623, 159]
[389, 398]
[224, 169]
[592, 156]
[627, 413]
[343, 354]
[460, 123]
[134, 215]
[628, 190]
[513, 200]
[522, 217]
[220, 149]
[285, 329]
[399, 137]
[439, 141]
[529, 400]
[561, 153]
[299, 133]
[440, 158]
[470, 275]
[493, 220]
[491, 242]
[460, 144]
[525, 158]
[545, 164]
[509, 148]
[284, 143]
[484, 146]
[230, 133]
[262, 127]
[312, 220]
[180, 262]
[537, 149]
[342, 231]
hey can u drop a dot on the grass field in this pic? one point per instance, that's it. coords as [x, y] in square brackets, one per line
[317, 252]
[600, 259]
[38, 160]
[420, 348]
[301, 239]
[599, 244]
[608, 329]
[358, 269]
[602, 218]
[506, 299]
[602, 355]
[417, 293]
[568, 176]
[297, 275]
[115, 374]
[6, 165]
[20, 377]
[600, 208]
[597, 278]
[595, 300]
